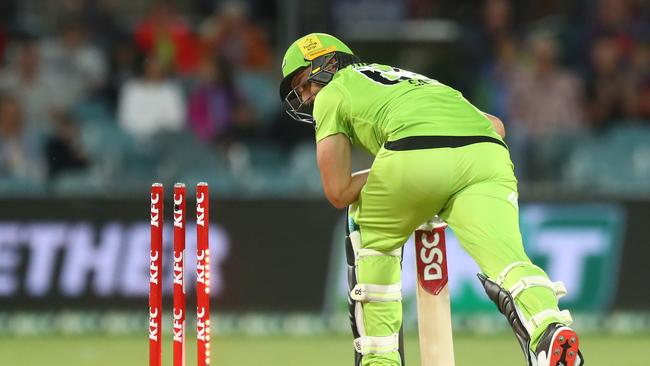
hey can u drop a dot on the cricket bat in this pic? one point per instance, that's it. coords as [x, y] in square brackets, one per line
[434, 313]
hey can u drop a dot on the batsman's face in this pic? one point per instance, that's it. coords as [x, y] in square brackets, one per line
[305, 89]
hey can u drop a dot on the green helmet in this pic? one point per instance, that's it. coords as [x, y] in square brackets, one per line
[314, 50]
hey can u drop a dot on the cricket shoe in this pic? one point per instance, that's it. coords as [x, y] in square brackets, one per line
[559, 347]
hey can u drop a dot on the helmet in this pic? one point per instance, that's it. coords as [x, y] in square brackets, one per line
[317, 50]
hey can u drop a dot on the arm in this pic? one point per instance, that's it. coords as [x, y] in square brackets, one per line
[334, 162]
[498, 125]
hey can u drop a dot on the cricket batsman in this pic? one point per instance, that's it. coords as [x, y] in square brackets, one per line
[435, 154]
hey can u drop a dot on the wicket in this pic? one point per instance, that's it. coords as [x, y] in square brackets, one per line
[179, 282]
[202, 271]
[202, 275]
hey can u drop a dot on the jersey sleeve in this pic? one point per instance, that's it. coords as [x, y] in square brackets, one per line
[331, 112]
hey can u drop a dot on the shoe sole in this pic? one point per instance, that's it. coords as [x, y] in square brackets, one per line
[564, 348]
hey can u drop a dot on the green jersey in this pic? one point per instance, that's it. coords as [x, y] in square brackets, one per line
[372, 104]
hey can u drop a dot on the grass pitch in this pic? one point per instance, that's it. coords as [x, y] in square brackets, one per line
[501, 350]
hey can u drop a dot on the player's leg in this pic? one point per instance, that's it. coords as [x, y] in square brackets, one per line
[484, 215]
[392, 204]
[374, 282]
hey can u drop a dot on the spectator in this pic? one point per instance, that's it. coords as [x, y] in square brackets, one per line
[63, 148]
[230, 34]
[485, 44]
[35, 91]
[123, 66]
[608, 90]
[163, 35]
[20, 153]
[623, 21]
[497, 19]
[546, 98]
[620, 18]
[152, 103]
[75, 63]
[217, 109]
[493, 92]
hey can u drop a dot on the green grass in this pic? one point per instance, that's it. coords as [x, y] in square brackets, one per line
[295, 351]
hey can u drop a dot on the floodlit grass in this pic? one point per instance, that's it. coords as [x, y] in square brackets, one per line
[498, 350]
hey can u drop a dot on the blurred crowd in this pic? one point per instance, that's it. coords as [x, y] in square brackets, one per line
[214, 78]
[542, 66]
[582, 73]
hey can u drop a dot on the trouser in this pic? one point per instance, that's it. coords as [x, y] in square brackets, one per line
[472, 188]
